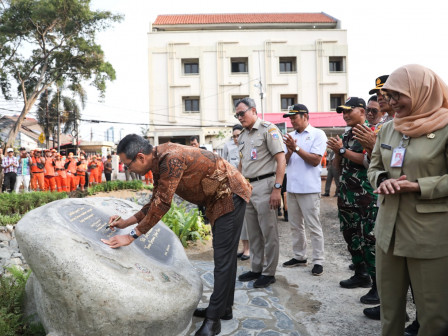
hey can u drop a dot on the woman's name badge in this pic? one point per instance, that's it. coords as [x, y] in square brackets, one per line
[253, 154]
[398, 157]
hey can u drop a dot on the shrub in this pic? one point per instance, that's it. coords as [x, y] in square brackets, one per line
[115, 185]
[13, 206]
[12, 292]
[187, 225]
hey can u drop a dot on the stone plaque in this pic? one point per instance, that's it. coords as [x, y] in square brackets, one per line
[92, 223]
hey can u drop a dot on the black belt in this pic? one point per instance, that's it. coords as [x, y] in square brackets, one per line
[259, 178]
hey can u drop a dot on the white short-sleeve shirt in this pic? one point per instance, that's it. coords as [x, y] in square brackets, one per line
[304, 178]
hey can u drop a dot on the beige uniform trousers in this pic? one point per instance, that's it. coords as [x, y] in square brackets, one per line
[304, 209]
[429, 284]
[262, 228]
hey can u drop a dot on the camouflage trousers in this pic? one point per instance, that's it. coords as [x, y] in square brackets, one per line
[357, 226]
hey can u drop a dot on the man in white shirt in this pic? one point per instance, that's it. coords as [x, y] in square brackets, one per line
[305, 147]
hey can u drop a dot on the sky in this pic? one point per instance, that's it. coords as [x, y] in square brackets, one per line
[382, 36]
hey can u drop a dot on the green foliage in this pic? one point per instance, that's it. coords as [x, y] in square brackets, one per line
[13, 206]
[187, 225]
[12, 292]
[115, 185]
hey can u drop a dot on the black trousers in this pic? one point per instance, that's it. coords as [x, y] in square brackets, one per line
[10, 181]
[108, 176]
[226, 235]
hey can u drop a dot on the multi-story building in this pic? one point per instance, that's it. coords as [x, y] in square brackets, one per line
[199, 65]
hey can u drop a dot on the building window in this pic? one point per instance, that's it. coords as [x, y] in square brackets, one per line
[191, 104]
[337, 64]
[336, 100]
[235, 99]
[287, 64]
[190, 66]
[287, 101]
[239, 65]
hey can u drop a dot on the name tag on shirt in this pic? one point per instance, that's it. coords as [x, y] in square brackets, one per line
[398, 157]
[253, 154]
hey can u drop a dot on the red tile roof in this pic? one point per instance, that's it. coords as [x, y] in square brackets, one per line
[244, 18]
[317, 119]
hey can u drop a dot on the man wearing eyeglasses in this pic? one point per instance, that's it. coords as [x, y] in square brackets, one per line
[262, 163]
[202, 178]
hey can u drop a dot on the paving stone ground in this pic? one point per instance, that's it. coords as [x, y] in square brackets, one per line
[256, 311]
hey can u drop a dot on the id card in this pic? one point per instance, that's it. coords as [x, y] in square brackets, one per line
[398, 157]
[253, 154]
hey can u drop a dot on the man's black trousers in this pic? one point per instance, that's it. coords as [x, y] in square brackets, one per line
[226, 235]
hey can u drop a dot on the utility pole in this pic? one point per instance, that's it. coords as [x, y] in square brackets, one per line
[59, 124]
[47, 133]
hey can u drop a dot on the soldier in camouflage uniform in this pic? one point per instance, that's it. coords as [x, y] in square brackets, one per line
[356, 201]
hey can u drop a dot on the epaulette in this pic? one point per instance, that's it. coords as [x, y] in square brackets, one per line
[266, 123]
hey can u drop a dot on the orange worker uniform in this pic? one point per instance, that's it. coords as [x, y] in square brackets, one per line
[37, 173]
[100, 170]
[72, 179]
[61, 176]
[50, 183]
[93, 167]
[149, 178]
[81, 170]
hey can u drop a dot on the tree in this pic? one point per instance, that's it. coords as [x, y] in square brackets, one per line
[49, 42]
[50, 104]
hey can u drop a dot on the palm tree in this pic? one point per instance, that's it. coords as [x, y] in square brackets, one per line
[49, 107]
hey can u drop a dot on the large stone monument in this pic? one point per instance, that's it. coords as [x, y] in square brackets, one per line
[80, 286]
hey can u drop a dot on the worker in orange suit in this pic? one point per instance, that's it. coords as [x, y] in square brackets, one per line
[149, 178]
[37, 171]
[81, 171]
[50, 182]
[93, 171]
[70, 168]
[60, 174]
[100, 169]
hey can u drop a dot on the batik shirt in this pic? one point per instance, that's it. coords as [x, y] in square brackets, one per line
[196, 175]
[355, 190]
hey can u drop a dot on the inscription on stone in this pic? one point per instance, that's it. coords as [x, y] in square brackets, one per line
[92, 223]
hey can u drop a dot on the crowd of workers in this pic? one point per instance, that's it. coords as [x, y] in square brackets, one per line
[48, 170]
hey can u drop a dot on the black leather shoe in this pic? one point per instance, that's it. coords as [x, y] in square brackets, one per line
[248, 276]
[201, 312]
[371, 297]
[412, 329]
[374, 313]
[245, 257]
[210, 327]
[264, 281]
[238, 255]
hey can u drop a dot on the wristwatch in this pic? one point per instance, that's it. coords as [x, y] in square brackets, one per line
[297, 149]
[277, 186]
[342, 151]
[133, 234]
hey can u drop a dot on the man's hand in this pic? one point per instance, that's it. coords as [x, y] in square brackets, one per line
[397, 186]
[116, 221]
[276, 199]
[365, 136]
[117, 241]
[335, 144]
[290, 142]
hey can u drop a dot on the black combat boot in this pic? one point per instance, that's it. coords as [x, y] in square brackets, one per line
[360, 279]
[372, 296]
